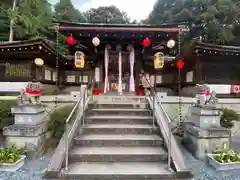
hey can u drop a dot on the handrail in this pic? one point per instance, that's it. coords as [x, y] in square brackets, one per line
[155, 97]
[81, 99]
[175, 155]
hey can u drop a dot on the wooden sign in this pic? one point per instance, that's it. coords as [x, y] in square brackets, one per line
[79, 59]
[158, 60]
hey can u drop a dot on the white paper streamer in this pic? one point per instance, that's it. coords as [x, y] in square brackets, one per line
[106, 56]
[131, 81]
[120, 72]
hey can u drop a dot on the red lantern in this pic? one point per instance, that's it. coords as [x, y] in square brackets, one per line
[96, 92]
[180, 64]
[70, 40]
[140, 93]
[146, 42]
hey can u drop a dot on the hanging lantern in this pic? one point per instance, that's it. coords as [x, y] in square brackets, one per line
[70, 40]
[146, 42]
[171, 43]
[79, 59]
[158, 60]
[180, 64]
[38, 61]
[96, 41]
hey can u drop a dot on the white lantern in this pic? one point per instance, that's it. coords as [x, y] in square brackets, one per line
[95, 41]
[39, 61]
[171, 43]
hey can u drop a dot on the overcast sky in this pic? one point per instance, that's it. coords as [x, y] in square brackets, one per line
[136, 9]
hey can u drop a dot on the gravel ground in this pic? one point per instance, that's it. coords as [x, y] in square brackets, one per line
[202, 171]
[33, 170]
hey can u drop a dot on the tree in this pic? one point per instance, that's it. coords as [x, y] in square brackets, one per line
[65, 11]
[34, 18]
[5, 23]
[216, 18]
[107, 14]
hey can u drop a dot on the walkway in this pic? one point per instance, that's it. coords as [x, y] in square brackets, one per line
[33, 170]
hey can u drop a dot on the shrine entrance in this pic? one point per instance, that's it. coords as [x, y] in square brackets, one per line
[113, 73]
[119, 71]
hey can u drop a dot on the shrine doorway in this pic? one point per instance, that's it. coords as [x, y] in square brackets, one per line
[113, 73]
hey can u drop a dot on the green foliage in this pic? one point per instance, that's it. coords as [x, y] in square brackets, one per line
[107, 14]
[56, 125]
[34, 18]
[6, 117]
[57, 120]
[4, 23]
[65, 11]
[216, 19]
[228, 117]
[226, 155]
[10, 154]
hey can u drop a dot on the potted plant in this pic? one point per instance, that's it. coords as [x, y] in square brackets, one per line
[11, 158]
[225, 159]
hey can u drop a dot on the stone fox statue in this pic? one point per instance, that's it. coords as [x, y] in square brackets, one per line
[31, 94]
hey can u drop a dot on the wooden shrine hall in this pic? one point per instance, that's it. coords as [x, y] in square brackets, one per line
[120, 54]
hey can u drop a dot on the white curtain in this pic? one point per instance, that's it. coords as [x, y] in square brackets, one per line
[106, 60]
[120, 72]
[131, 81]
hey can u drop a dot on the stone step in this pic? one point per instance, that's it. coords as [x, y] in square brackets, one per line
[119, 171]
[118, 154]
[122, 105]
[119, 140]
[119, 111]
[119, 129]
[118, 119]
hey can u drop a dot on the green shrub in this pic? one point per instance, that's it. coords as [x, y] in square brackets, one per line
[6, 117]
[228, 117]
[9, 154]
[57, 120]
[56, 125]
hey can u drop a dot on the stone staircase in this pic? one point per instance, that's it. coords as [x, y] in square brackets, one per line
[119, 142]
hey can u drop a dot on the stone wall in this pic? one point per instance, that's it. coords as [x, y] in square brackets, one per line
[170, 104]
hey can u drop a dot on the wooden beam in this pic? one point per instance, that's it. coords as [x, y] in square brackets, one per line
[153, 29]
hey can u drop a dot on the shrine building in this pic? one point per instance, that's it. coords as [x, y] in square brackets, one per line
[116, 55]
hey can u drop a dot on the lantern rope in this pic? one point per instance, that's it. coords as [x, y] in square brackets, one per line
[57, 53]
[180, 128]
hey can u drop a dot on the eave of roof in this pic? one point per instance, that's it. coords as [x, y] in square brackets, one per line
[45, 43]
[67, 26]
[197, 47]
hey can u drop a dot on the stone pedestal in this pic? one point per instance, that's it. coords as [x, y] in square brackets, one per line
[30, 128]
[203, 133]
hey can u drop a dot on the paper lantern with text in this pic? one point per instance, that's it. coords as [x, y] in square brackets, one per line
[146, 42]
[158, 60]
[79, 59]
[70, 40]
